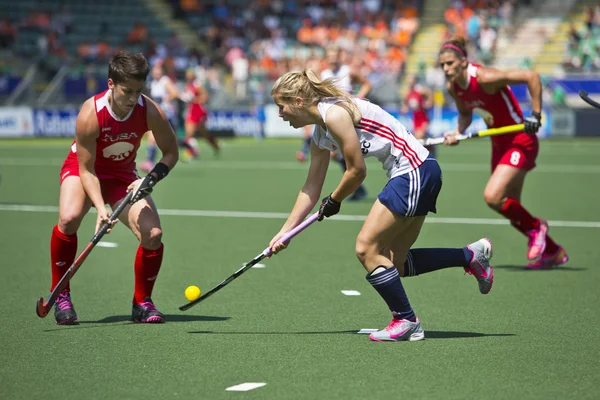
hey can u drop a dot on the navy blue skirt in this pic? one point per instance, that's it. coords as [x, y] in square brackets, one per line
[415, 193]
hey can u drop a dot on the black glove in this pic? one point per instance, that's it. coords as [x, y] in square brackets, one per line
[533, 123]
[328, 208]
[144, 189]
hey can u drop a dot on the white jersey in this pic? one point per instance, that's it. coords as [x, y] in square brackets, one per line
[380, 135]
[342, 76]
[158, 93]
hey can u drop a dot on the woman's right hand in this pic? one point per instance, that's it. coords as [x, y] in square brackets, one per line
[276, 245]
[450, 137]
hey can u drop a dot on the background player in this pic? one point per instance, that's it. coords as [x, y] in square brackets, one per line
[419, 100]
[100, 169]
[164, 91]
[195, 119]
[486, 92]
[355, 129]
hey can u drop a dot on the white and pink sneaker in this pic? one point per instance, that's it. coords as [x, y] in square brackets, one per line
[399, 330]
[480, 266]
[550, 260]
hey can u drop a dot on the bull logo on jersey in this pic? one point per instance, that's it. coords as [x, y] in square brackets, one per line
[118, 151]
[487, 117]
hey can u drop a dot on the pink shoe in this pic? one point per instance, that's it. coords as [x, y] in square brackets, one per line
[550, 260]
[537, 240]
[399, 330]
[480, 266]
[300, 156]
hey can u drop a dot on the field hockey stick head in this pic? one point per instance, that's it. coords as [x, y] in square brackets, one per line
[40, 309]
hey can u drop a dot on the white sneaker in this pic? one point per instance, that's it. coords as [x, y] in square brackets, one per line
[480, 266]
[398, 330]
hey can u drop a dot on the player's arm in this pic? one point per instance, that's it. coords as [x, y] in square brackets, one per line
[341, 127]
[165, 138]
[465, 117]
[172, 91]
[360, 79]
[86, 134]
[493, 80]
[202, 97]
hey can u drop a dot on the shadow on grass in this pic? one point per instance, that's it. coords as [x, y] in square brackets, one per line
[521, 268]
[455, 335]
[428, 334]
[125, 320]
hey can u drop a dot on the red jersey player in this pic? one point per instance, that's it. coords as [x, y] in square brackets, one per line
[100, 169]
[418, 100]
[195, 119]
[486, 92]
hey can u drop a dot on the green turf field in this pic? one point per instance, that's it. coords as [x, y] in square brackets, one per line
[535, 336]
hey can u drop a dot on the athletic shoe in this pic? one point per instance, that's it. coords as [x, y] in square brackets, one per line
[146, 312]
[537, 240]
[480, 266]
[550, 260]
[301, 156]
[399, 330]
[64, 313]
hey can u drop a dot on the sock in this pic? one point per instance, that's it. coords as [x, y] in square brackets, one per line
[388, 285]
[146, 266]
[63, 249]
[306, 145]
[185, 144]
[422, 261]
[518, 215]
[151, 153]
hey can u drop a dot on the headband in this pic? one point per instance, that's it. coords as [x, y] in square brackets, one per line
[455, 48]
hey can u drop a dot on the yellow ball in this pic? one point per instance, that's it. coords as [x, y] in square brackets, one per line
[192, 293]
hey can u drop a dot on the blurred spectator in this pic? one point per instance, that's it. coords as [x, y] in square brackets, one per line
[138, 35]
[8, 33]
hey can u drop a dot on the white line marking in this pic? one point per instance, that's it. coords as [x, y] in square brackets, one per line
[271, 215]
[367, 331]
[351, 292]
[244, 387]
[291, 165]
[107, 244]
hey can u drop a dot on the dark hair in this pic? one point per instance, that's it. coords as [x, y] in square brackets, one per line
[457, 44]
[126, 66]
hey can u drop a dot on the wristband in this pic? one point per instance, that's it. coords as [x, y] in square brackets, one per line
[161, 170]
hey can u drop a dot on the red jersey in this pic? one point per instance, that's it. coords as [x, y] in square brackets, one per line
[416, 103]
[497, 110]
[196, 112]
[117, 142]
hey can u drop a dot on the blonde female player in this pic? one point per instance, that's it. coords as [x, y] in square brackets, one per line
[355, 129]
[486, 91]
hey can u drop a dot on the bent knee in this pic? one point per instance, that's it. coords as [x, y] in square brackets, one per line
[494, 198]
[364, 249]
[152, 238]
[69, 222]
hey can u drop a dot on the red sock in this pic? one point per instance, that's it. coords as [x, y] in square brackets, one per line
[146, 266]
[519, 217]
[63, 249]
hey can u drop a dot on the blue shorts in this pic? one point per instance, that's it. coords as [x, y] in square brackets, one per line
[414, 194]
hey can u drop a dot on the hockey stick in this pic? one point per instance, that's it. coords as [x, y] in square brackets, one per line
[585, 97]
[42, 309]
[266, 252]
[488, 132]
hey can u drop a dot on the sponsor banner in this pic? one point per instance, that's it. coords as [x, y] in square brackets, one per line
[233, 123]
[54, 122]
[16, 122]
[276, 127]
[562, 122]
